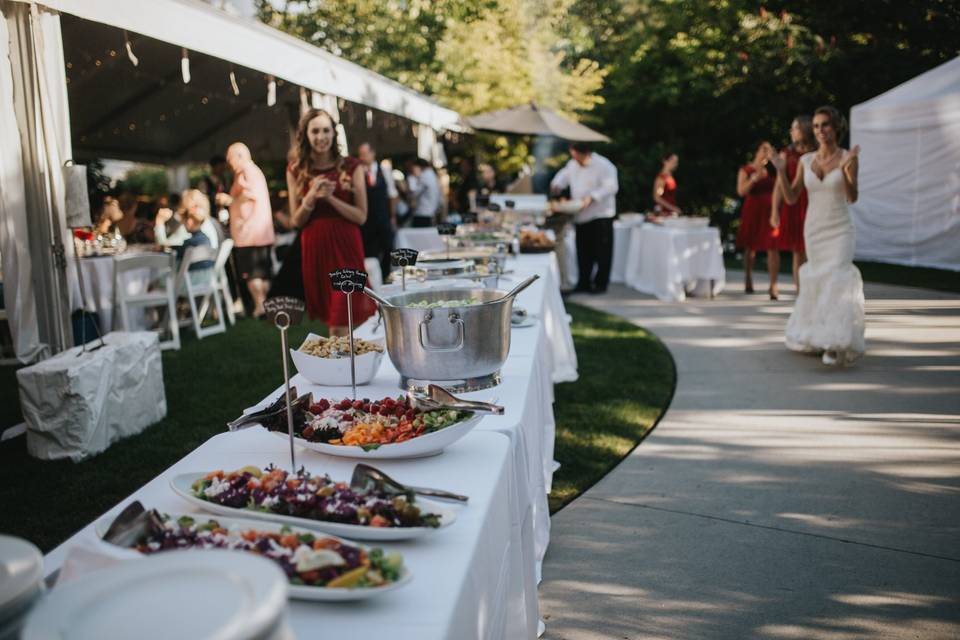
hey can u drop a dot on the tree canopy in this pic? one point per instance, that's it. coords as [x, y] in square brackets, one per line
[706, 79]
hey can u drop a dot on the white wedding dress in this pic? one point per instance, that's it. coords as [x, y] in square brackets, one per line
[828, 314]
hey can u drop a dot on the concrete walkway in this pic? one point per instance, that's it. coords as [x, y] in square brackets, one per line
[778, 498]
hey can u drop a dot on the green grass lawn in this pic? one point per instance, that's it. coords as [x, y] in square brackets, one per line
[626, 379]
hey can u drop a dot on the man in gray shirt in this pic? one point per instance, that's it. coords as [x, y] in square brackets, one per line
[425, 188]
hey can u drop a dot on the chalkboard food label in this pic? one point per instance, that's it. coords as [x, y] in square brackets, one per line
[468, 218]
[404, 257]
[293, 307]
[348, 280]
[446, 228]
[510, 204]
[494, 207]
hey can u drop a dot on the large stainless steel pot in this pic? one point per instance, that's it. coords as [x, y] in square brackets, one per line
[461, 348]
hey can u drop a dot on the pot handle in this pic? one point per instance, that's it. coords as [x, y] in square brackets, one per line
[425, 338]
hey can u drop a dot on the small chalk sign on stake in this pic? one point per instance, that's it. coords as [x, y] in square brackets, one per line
[494, 207]
[347, 281]
[404, 258]
[469, 217]
[284, 311]
[447, 229]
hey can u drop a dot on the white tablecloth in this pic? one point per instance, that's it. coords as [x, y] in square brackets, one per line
[421, 239]
[670, 262]
[98, 275]
[479, 578]
[621, 248]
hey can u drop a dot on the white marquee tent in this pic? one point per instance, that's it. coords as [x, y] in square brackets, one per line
[69, 89]
[908, 211]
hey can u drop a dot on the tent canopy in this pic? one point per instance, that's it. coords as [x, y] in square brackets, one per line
[530, 119]
[201, 28]
[909, 206]
[147, 113]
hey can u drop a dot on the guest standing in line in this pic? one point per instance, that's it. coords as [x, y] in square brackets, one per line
[755, 184]
[425, 191]
[378, 231]
[828, 315]
[328, 201]
[592, 180]
[251, 224]
[789, 218]
[665, 187]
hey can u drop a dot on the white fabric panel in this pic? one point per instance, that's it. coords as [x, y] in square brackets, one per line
[908, 211]
[76, 406]
[14, 245]
[244, 41]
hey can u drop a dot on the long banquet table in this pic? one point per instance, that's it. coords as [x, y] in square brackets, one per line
[478, 578]
[672, 262]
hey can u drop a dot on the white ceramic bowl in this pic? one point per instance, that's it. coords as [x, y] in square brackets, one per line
[335, 372]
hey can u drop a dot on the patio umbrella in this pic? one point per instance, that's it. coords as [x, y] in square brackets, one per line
[529, 119]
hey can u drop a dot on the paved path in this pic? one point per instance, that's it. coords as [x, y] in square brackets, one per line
[778, 498]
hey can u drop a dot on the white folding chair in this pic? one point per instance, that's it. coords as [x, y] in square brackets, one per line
[280, 240]
[220, 269]
[201, 283]
[161, 296]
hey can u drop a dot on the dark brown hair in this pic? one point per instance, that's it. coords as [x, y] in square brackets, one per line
[300, 148]
[837, 121]
[806, 131]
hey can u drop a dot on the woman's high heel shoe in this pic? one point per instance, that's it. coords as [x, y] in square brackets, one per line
[773, 295]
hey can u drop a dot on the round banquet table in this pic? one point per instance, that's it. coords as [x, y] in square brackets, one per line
[671, 262]
[98, 281]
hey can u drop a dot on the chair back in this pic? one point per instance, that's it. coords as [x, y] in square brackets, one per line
[160, 263]
[223, 254]
[192, 256]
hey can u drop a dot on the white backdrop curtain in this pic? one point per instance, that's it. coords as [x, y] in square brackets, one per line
[909, 206]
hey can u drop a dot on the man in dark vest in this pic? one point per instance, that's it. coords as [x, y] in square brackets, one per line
[378, 230]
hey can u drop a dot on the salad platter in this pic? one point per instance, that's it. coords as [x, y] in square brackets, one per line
[312, 501]
[389, 428]
[322, 568]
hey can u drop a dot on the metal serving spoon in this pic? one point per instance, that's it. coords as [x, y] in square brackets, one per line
[278, 408]
[364, 475]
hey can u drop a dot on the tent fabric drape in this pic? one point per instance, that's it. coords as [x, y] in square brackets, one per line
[908, 211]
[18, 291]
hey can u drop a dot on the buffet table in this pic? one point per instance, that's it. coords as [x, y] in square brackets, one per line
[478, 578]
[672, 262]
[622, 229]
[421, 239]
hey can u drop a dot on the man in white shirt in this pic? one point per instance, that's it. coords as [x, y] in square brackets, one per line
[593, 181]
[425, 188]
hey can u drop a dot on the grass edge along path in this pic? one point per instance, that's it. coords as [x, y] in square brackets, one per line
[627, 379]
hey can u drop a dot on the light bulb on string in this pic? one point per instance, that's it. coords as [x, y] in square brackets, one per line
[185, 66]
[271, 91]
[233, 82]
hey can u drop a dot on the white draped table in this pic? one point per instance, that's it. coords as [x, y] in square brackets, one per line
[478, 578]
[672, 262]
[98, 279]
[622, 230]
[419, 238]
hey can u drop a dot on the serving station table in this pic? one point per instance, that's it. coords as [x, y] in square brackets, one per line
[478, 578]
[672, 262]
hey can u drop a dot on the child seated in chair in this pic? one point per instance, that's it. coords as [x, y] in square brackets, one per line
[199, 272]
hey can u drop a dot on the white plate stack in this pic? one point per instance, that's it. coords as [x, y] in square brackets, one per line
[21, 583]
[201, 594]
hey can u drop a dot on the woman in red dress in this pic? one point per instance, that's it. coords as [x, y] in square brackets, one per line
[789, 218]
[755, 186]
[328, 201]
[665, 187]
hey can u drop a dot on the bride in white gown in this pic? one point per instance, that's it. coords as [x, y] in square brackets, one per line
[828, 315]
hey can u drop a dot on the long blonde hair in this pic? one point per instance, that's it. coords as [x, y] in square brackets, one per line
[300, 148]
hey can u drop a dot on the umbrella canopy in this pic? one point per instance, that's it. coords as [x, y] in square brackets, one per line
[529, 119]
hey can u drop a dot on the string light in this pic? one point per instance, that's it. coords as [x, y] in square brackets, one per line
[271, 91]
[233, 82]
[369, 119]
[134, 60]
[185, 66]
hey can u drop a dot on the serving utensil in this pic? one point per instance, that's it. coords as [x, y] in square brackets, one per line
[133, 523]
[275, 410]
[517, 289]
[377, 297]
[364, 475]
[439, 398]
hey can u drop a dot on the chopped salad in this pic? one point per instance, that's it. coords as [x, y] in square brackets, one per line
[314, 497]
[371, 423]
[308, 560]
[443, 304]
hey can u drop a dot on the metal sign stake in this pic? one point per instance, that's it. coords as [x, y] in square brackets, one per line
[282, 322]
[353, 356]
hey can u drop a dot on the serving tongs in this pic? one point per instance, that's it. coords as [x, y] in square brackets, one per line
[276, 410]
[133, 523]
[439, 398]
[364, 476]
